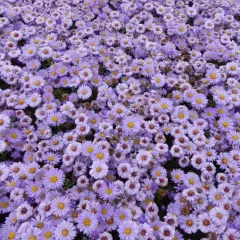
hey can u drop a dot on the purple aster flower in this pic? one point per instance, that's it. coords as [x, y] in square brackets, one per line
[53, 179]
[55, 119]
[108, 192]
[60, 206]
[87, 222]
[14, 135]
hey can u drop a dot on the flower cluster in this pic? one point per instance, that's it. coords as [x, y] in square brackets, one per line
[120, 119]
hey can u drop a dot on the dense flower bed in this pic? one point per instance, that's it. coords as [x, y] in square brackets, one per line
[119, 119]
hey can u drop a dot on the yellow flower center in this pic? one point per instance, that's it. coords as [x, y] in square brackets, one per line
[181, 29]
[12, 184]
[21, 101]
[119, 110]
[148, 200]
[100, 156]
[213, 76]
[90, 149]
[37, 82]
[128, 231]
[131, 124]
[34, 188]
[177, 97]
[43, 131]
[11, 235]
[108, 191]
[235, 137]
[222, 96]
[221, 111]
[14, 135]
[55, 118]
[32, 170]
[104, 211]
[155, 228]
[164, 106]
[40, 225]
[28, 131]
[191, 181]
[65, 232]
[4, 204]
[218, 196]
[98, 169]
[177, 176]
[51, 158]
[148, 70]
[87, 222]
[233, 68]
[189, 223]
[33, 238]
[84, 91]
[199, 101]
[181, 115]
[224, 160]
[225, 124]
[61, 205]
[54, 179]
[167, 129]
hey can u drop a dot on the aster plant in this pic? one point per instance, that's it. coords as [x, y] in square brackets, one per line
[119, 119]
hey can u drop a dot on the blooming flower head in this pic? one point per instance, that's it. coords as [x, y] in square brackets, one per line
[65, 230]
[225, 123]
[60, 206]
[165, 105]
[205, 223]
[14, 135]
[213, 76]
[4, 122]
[119, 118]
[199, 101]
[108, 192]
[128, 230]
[131, 125]
[84, 92]
[53, 179]
[87, 222]
[24, 211]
